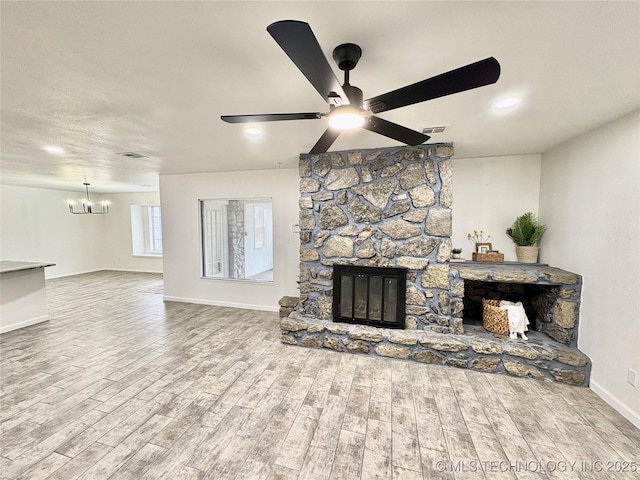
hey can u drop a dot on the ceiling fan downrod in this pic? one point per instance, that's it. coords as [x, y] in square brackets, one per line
[346, 57]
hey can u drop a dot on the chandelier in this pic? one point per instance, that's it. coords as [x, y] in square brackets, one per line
[87, 204]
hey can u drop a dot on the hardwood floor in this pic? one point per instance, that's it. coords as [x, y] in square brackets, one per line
[119, 384]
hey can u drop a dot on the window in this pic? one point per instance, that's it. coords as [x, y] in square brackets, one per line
[146, 230]
[237, 239]
[155, 229]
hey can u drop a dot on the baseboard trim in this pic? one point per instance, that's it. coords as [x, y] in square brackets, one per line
[24, 323]
[200, 301]
[102, 270]
[134, 270]
[72, 274]
[612, 400]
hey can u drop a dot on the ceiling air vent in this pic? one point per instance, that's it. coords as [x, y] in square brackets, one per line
[132, 155]
[432, 130]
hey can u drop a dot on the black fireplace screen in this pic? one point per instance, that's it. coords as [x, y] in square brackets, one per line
[369, 295]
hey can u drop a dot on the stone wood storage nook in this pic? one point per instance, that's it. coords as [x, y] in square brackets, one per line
[391, 208]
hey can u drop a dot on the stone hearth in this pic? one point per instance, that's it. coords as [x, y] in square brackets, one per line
[540, 357]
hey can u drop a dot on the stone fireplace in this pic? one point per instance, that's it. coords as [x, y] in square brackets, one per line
[390, 209]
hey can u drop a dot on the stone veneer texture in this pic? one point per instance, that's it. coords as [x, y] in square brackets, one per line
[388, 207]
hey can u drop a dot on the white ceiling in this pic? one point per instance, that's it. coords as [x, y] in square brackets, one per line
[101, 78]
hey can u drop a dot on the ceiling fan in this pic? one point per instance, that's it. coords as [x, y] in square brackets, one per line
[346, 107]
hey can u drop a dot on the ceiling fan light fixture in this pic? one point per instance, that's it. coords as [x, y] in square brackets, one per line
[346, 117]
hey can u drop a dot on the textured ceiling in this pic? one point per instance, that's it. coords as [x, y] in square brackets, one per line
[101, 78]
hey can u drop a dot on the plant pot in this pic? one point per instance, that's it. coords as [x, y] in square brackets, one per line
[527, 254]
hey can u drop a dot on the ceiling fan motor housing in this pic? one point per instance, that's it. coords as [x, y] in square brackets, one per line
[354, 94]
[347, 55]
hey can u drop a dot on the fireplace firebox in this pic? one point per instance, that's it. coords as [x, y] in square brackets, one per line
[369, 295]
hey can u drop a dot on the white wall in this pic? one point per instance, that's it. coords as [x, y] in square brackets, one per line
[179, 195]
[37, 227]
[488, 194]
[119, 249]
[590, 200]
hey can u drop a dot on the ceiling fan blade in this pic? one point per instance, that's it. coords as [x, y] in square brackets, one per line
[300, 44]
[270, 117]
[395, 131]
[479, 74]
[326, 140]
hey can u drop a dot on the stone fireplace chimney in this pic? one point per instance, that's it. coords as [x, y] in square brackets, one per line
[387, 207]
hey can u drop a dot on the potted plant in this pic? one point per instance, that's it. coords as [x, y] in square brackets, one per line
[456, 252]
[526, 232]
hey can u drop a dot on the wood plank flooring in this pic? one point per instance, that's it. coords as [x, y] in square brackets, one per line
[120, 385]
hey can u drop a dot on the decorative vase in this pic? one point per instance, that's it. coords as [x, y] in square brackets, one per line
[527, 254]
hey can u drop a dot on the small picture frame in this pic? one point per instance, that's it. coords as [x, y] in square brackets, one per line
[483, 247]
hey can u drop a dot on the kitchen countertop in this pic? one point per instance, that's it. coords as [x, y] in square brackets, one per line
[7, 266]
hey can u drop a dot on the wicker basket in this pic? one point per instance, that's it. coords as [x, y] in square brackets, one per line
[487, 257]
[494, 318]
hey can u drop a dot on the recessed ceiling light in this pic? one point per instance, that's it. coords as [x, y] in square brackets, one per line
[253, 131]
[506, 103]
[53, 149]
